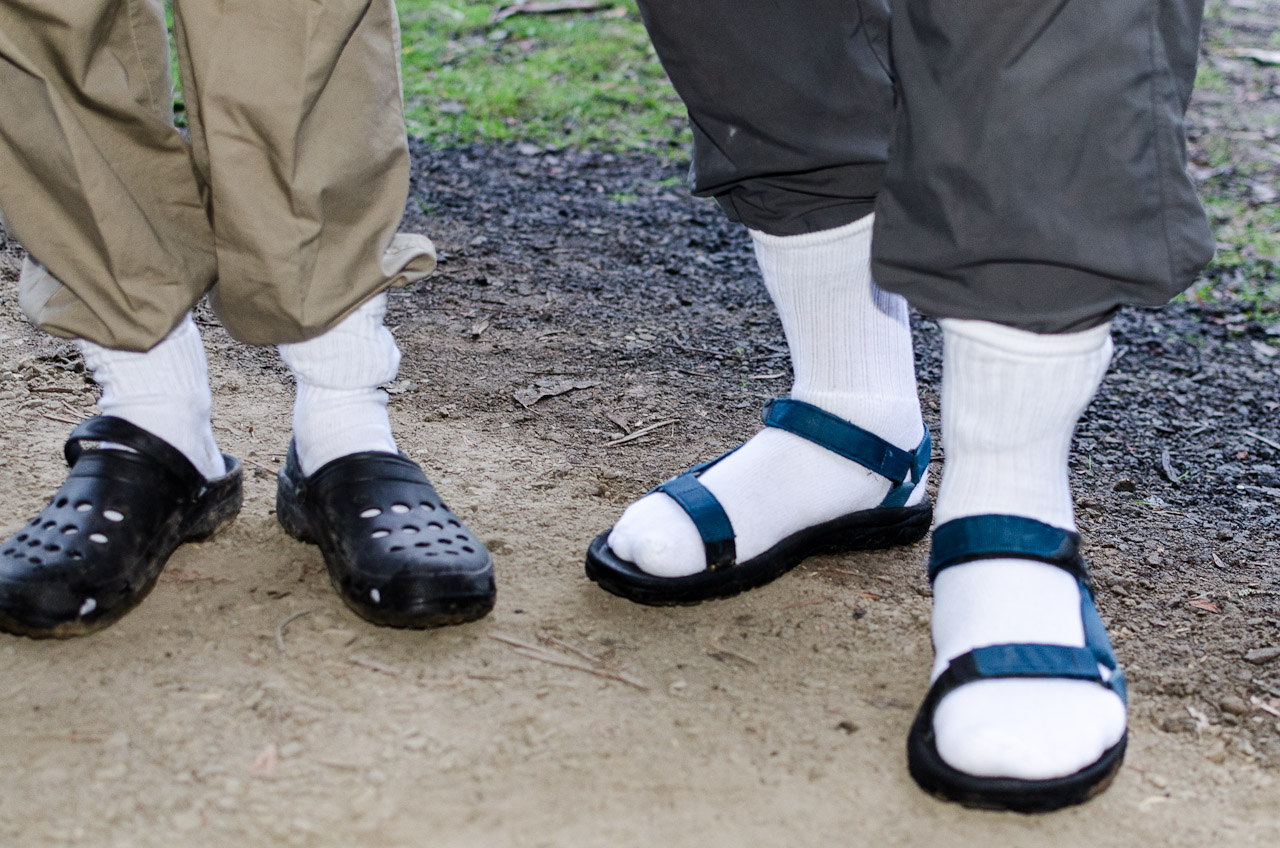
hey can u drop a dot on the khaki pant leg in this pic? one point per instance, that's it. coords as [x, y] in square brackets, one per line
[298, 128]
[94, 180]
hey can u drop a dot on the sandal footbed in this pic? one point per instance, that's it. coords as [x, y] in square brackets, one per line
[871, 529]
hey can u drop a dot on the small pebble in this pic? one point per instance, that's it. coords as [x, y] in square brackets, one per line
[1258, 656]
[1158, 781]
[1233, 705]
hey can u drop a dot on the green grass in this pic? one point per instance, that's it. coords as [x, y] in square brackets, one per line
[576, 79]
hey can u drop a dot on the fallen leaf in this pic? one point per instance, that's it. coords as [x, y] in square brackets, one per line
[549, 388]
[1204, 604]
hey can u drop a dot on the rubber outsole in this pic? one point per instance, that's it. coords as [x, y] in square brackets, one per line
[872, 529]
[934, 776]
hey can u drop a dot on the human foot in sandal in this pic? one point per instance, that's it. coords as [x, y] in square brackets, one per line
[1027, 707]
[787, 494]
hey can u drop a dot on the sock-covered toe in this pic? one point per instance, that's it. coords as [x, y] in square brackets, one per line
[1028, 729]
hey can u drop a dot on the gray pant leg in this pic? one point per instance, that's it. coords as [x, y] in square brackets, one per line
[791, 104]
[1038, 170]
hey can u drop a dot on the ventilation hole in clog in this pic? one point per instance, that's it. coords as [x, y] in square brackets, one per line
[399, 508]
[461, 537]
[70, 530]
[468, 549]
[9, 551]
[442, 540]
[453, 553]
[36, 560]
[60, 503]
[454, 523]
[22, 537]
[428, 506]
[410, 529]
[75, 554]
[380, 534]
[435, 525]
[34, 543]
[395, 549]
[84, 506]
[35, 521]
[88, 606]
[53, 549]
[48, 524]
[113, 515]
[371, 512]
[98, 538]
[433, 553]
[19, 556]
[422, 545]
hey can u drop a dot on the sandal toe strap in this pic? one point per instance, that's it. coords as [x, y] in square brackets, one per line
[1028, 660]
[707, 515]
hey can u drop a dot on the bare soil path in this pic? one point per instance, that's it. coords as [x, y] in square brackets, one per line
[582, 297]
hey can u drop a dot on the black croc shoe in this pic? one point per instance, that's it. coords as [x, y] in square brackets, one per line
[96, 550]
[396, 554]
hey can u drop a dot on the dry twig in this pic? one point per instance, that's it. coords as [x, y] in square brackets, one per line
[283, 624]
[643, 431]
[546, 655]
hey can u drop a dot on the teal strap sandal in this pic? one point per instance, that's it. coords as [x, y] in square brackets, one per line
[1011, 537]
[889, 524]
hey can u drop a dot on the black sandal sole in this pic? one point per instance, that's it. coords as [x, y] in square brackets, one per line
[873, 529]
[934, 776]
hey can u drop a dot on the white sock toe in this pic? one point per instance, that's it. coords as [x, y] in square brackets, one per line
[850, 345]
[1010, 401]
[657, 535]
[1040, 735]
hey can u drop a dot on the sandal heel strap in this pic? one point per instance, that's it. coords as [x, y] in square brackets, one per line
[708, 517]
[1005, 536]
[108, 428]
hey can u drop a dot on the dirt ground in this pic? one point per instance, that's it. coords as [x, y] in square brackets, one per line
[582, 298]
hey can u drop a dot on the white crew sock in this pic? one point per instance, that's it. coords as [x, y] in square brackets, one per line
[850, 347]
[1010, 403]
[339, 409]
[165, 391]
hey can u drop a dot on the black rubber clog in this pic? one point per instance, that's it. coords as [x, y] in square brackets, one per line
[395, 553]
[97, 549]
